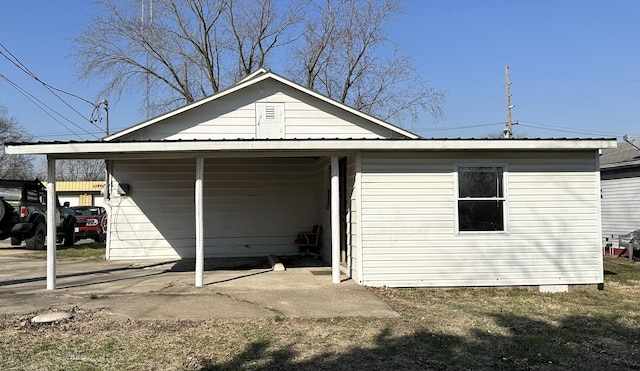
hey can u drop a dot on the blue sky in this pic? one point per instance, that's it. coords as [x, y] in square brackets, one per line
[574, 66]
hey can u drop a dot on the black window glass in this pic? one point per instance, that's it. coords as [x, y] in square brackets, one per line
[480, 198]
[479, 182]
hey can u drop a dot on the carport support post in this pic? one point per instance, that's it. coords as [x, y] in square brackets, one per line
[335, 220]
[51, 223]
[199, 222]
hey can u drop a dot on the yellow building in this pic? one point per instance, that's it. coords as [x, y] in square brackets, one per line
[80, 193]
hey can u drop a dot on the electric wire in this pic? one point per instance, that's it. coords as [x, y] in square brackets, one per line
[40, 105]
[538, 110]
[576, 104]
[577, 76]
[565, 129]
[459, 127]
[15, 61]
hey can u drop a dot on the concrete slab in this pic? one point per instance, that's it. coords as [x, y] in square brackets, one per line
[149, 290]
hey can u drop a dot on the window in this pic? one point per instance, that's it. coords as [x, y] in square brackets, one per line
[11, 194]
[481, 198]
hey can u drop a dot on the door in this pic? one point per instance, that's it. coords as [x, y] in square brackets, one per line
[270, 120]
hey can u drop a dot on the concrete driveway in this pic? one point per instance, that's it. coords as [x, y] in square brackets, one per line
[158, 290]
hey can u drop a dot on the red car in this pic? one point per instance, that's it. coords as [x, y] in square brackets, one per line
[91, 222]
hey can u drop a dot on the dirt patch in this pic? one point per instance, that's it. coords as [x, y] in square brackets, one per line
[438, 329]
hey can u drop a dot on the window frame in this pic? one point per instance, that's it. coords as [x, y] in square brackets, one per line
[504, 198]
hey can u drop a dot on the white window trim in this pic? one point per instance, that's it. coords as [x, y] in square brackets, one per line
[505, 192]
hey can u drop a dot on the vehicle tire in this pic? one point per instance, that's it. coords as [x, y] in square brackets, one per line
[15, 241]
[100, 238]
[70, 235]
[37, 241]
[3, 210]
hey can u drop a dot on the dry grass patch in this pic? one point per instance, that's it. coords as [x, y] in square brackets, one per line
[439, 329]
[85, 251]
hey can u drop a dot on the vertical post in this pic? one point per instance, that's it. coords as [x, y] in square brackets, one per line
[106, 113]
[335, 220]
[51, 223]
[199, 221]
[509, 132]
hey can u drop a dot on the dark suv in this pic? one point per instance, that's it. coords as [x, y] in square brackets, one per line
[23, 215]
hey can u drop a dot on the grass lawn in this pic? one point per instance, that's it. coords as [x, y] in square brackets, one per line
[89, 251]
[438, 329]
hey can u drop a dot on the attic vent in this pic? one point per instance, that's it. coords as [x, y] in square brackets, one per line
[270, 112]
[269, 120]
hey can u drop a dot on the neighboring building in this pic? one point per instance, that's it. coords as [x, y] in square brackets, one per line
[80, 193]
[620, 174]
[241, 172]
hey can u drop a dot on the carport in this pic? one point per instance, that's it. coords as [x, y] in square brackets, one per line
[197, 153]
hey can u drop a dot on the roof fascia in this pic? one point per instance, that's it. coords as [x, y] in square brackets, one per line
[259, 71]
[622, 164]
[78, 148]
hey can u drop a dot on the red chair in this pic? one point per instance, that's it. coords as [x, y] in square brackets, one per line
[309, 242]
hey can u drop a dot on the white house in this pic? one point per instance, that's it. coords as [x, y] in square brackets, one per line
[241, 172]
[620, 177]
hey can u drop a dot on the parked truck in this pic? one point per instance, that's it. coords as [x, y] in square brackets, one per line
[23, 215]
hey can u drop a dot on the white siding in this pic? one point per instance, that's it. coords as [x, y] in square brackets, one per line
[352, 241]
[408, 222]
[252, 207]
[620, 203]
[234, 117]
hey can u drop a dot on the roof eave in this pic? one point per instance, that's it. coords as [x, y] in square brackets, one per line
[297, 145]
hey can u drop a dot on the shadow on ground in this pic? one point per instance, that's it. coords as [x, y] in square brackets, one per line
[575, 343]
[240, 264]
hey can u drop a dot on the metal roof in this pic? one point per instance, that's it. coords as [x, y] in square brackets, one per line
[624, 155]
[292, 147]
[473, 139]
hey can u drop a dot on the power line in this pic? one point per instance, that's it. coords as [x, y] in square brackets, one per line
[578, 76]
[15, 61]
[565, 129]
[460, 127]
[576, 104]
[538, 110]
[40, 105]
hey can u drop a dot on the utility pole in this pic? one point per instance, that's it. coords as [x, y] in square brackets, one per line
[508, 132]
[106, 112]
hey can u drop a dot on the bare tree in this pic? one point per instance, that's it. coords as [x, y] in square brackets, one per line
[13, 166]
[80, 170]
[258, 27]
[194, 48]
[188, 50]
[342, 57]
